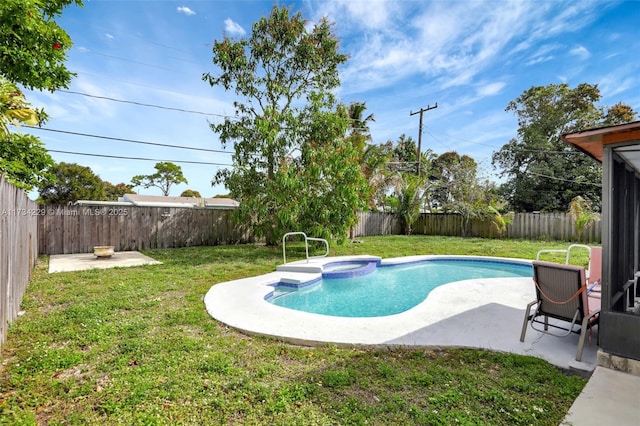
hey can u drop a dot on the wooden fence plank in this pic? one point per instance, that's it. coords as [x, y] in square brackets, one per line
[77, 229]
[18, 250]
[544, 226]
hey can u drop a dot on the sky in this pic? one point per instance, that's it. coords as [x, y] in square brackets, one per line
[139, 67]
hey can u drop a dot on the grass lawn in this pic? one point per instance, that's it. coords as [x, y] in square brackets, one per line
[136, 346]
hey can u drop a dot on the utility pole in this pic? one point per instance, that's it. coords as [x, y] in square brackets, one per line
[422, 110]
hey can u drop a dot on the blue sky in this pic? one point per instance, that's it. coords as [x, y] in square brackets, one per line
[470, 57]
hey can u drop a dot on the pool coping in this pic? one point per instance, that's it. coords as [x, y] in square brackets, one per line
[482, 313]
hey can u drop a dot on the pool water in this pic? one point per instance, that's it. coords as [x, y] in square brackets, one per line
[389, 290]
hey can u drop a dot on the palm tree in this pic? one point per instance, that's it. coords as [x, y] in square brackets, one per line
[409, 190]
[373, 166]
[359, 125]
[359, 135]
[581, 212]
[498, 220]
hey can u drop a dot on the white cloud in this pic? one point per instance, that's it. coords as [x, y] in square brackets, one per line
[621, 80]
[543, 54]
[185, 10]
[370, 14]
[448, 43]
[539, 60]
[490, 89]
[233, 28]
[451, 42]
[581, 52]
[109, 36]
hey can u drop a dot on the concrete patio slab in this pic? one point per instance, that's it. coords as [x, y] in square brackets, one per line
[609, 398]
[84, 261]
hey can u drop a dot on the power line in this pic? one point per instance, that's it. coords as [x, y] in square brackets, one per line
[564, 180]
[118, 36]
[436, 139]
[165, 107]
[140, 158]
[571, 151]
[130, 83]
[144, 104]
[129, 140]
[84, 49]
[460, 139]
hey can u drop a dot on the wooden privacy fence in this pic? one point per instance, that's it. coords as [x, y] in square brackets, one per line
[18, 250]
[377, 223]
[551, 226]
[77, 229]
[533, 226]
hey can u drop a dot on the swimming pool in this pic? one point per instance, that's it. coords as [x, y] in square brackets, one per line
[366, 289]
[479, 313]
[471, 306]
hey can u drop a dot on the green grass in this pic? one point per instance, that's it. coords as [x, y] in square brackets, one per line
[136, 346]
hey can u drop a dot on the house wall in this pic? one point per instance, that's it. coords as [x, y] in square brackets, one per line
[619, 327]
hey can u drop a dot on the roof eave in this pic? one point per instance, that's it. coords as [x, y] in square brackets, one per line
[592, 141]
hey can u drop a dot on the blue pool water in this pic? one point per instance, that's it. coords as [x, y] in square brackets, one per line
[389, 290]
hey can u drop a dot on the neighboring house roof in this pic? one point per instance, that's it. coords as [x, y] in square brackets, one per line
[161, 201]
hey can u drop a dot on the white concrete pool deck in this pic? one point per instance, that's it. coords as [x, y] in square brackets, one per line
[479, 313]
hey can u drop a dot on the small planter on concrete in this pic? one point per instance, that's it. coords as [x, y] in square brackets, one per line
[103, 251]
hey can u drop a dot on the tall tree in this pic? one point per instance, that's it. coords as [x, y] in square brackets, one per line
[375, 161]
[405, 154]
[190, 193]
[359, 132]
[283, 75]
[113, 192]
[15, 109]
[33, 50]
[543, 172]
[328, 175]
[619, 114]
[167, 174]
[454, 187]
[24, 160]
[454, 178]
[71, 182]
[34, 47]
